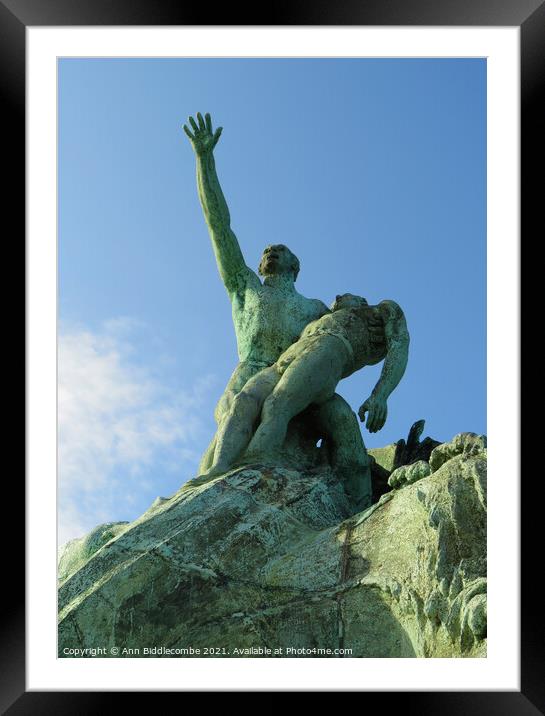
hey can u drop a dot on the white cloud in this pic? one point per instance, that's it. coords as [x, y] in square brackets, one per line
[116, 420]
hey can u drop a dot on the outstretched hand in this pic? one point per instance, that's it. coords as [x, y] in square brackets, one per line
[377, 410]
[202, 139]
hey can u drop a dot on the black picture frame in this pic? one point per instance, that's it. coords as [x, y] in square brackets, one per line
[529, 15]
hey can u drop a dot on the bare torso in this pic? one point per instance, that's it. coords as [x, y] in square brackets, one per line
[268, 319]
[351, 326]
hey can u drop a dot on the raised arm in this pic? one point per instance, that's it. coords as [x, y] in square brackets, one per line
[393, 368]
[232, 267]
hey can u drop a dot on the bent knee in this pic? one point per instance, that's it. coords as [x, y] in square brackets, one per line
[275, 404]
[244, 403]
[348, 419]
[223, 406]
[337, 410]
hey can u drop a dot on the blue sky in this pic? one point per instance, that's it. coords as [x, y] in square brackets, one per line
[372, 171]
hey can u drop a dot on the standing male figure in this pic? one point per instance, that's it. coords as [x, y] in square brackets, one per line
[268, 316]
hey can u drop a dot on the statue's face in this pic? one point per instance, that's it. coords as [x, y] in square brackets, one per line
[278, 259]
[348, 300]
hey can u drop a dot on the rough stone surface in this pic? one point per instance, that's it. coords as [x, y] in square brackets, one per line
[271, 557]
[467, 443]
[407, 474]
[76, 552]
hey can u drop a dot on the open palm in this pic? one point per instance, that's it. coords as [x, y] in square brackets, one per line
[202, 138]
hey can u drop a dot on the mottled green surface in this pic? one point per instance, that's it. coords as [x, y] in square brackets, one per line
[77, 551]
[336, 345]
[407, 474]
[269, 316]
[271, 557]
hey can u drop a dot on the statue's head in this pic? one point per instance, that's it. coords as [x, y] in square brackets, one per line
[348, 300]
[278, 259]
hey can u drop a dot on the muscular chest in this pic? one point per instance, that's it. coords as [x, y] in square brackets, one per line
[271, 318]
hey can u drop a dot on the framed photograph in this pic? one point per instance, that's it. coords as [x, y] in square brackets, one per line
[177, 510]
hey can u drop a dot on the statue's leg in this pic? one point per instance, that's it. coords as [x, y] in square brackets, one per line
[349, 457]
[208, 457]
[220, 413]
[237, 427]
[311, 377]
[242, 373]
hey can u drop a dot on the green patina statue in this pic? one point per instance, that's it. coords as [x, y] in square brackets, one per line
[269, 317]
[330, 348]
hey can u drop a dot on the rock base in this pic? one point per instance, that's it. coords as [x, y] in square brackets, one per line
[272, 559]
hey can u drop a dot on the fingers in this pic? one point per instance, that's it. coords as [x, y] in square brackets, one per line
[371, 420]
[217, 135]
[377, 411]
[377, 418]
[380, 420]
[204, 126]
[193, 124]
[202, 132]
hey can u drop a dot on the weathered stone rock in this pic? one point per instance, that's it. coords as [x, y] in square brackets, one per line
[77, 551]
[271, 557]
[407, 474]
[468, 443]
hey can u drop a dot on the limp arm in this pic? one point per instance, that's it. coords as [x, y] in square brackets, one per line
[393, 368]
